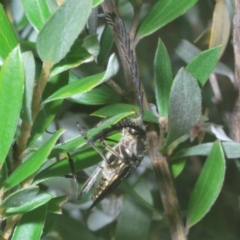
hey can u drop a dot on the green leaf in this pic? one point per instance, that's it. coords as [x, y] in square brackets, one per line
[114, 109]
[48, 113]
[78, 142]
[162, 12]
[77, 55]
[49, 224]
[77, 230]
[187, 51]
[33, 203]
[37, 12]
[106, 44]
[61, 30]
[87, 83]
[208, 185]
[55, 204]
[19, 197]
[132, 193]
[32, 163]
[163, 79]
[203, 64]
[29, 70]
[231, 149]
[11, 95]
[82, 160]
[91, 44]
[8, 39]
[102, 94]
[97, 2]
[31, 225]
[185, 106]
[177, 167]
[133, 212]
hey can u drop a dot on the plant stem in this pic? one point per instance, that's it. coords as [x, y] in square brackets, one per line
[166, 188]
[233, 117]
[36, 107]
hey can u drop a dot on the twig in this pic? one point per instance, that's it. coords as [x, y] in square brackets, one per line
[233, 117]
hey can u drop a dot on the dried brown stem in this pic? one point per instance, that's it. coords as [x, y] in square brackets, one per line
[166, 189]
[233, 117]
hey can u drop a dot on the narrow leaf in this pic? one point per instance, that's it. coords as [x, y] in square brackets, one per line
[77, 55]
[177, 167]
[231, 149]
[132, 212]
[58, 34]
[208, 185]
[55, 204]
[187, 51]
[29, 70]
[132, 193]
[115, 109]
[11, 94]
[97, 2]
[31, 225]
[163, 79]
[37, 12]
[31, 164]
[203, 64]
[162, 12]
[48, 113]
[185, 106]
[221, 26]
[87, 83]
[20, 197]
[8, 39]
[31, 204]
[106, 44]
[100, 95]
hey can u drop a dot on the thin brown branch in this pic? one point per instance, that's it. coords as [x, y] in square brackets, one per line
[36, 107]
[233, 117]
[11, 222]
[166, 188]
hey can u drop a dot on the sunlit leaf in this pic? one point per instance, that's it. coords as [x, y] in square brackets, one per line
[8, 39]
[162, 12]
[37, 12]
[33, 203]
[31, 225]
[87, 83]
[61, 30]
[32, 163]
[29, 71]
[11, 95]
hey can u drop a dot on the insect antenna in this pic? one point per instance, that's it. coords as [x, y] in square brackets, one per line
[125, 44]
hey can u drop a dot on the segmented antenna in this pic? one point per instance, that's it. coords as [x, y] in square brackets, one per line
[124, 40]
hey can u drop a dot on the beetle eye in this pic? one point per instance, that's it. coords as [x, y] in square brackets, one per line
[133, 131]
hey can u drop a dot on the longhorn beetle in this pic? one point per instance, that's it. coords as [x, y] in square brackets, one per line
[122, 159]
